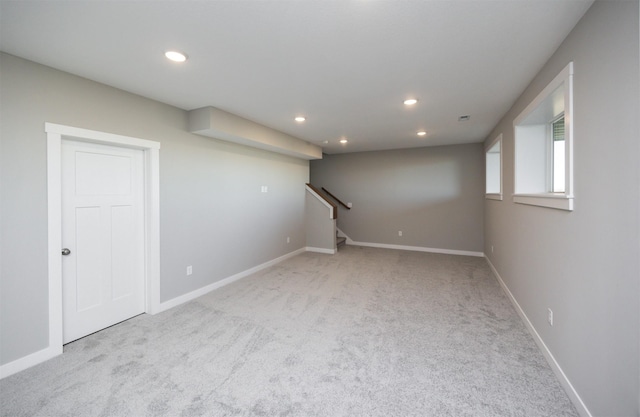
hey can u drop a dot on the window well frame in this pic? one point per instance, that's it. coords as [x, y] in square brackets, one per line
[490, 170]
[532, 133]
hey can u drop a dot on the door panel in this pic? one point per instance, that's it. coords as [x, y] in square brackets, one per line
[102, 174]
[88, 258]
[103, 226]
[122, 252]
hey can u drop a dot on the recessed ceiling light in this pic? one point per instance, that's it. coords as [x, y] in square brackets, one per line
[343, 141]
[325, 142]
[421, 133]
[411, 101]
[300, 119]
[175, 56]
[464, 118]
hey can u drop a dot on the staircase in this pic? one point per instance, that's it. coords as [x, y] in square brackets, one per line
[340, 240]
[320, 234]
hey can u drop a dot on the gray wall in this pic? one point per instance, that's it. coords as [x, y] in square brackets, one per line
[321, 229]
[584, 264]
[433, 195]
[212, 213]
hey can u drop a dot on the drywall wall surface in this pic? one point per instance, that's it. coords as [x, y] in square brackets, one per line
[220, 218]
[584, 264]
[320, 227]
[434, 195]
[213, 213]
[216, 123]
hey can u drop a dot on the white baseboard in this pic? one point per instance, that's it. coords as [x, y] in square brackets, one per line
[415, 248]
[28, 361]
[174, 302]
[557, 370]
[321, 250]
[51, 352]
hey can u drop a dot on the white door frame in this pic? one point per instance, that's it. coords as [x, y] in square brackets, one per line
[55, 134]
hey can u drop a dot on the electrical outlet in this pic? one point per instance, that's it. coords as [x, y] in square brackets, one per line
[491, 248]
[189, 270]
[550, 317]
[288, 239]
[399, 232]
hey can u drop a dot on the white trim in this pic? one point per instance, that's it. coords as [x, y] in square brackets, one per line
[568, 132]
[87, 135]
[557, 370]
[497, 139]
[415, 248]
[152, 203]
[565, 74]
[321, 250]
[28, 361]
[54, 225]
[561, 202]
[55, 135]
[174, 302]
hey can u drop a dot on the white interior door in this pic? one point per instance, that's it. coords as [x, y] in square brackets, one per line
[103, 230]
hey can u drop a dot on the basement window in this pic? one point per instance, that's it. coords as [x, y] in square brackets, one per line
[557, 156]
[544, 146]
[493, 170]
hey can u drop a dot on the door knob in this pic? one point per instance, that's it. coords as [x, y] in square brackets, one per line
[66, 251]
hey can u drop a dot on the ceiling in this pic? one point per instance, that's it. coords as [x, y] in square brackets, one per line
[346, 65]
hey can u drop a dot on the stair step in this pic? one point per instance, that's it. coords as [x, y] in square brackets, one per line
[340, 241]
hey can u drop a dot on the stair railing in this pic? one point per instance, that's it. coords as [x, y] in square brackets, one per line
[336, 198]
[333, 208]
[321, 231]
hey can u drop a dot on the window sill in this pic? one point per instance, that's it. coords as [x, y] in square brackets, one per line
[493, 196]
[556, 201]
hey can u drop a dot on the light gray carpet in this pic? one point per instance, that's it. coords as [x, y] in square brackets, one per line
[367, 332]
